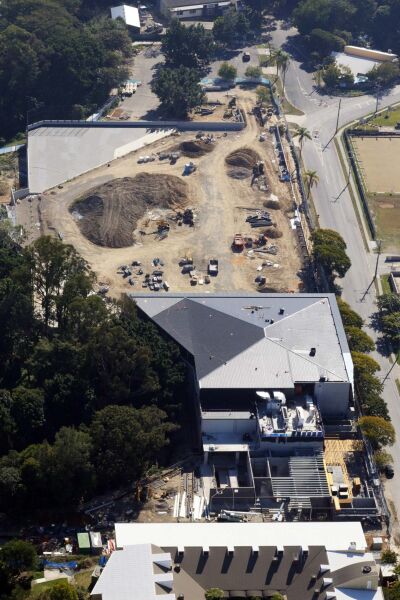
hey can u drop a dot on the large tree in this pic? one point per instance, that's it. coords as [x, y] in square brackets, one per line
[329, 251]
[378, 431]
[178, 89]
[191, 47]
[126, 441]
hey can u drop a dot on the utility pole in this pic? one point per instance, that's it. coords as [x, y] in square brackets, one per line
[391, 368]
[338, 114]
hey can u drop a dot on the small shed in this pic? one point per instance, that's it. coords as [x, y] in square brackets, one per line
[129, 14]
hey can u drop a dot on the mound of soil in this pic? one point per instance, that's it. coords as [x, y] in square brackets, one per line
[195, 148]
[239, 173]
[108, 214]
[243, 157]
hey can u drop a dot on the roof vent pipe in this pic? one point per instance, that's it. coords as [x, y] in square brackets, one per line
[324, 569]
[281, 311]
[313, 351]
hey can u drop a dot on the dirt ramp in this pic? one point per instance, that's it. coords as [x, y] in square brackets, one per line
[196, 148]
[108, 214]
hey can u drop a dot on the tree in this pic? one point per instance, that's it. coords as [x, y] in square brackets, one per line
[232, 26]
[325, 42]
[389, 302]
[18, 556]
[359, 341]
[60, 590]
[312, 178]
[253, 72]
[383, 458]
[126, 441]
[178, 90]
[28, 413]
[378, 431]
[281, 60]
[263, 94]
[349, 317]
[391, 327]
[214, 594]
[227, 72]
[191, 47]
[335, 75]
[303, 134]
[329, 251]
[384, 73]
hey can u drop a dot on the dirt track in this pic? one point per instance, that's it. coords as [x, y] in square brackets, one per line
[220, 204]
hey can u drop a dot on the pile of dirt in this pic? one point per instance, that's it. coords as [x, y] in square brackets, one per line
[243, 157]
[274, 204]
[196, 148]
[239, 173]
[108, 214]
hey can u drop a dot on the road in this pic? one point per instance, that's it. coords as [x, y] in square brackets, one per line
[320, 155]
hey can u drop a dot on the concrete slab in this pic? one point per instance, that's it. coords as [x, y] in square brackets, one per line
[58, 154]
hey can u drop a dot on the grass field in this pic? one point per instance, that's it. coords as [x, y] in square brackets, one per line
[378, 159]
[387, 118]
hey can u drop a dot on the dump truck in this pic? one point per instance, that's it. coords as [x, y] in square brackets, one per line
[238, 242]
[213, 266]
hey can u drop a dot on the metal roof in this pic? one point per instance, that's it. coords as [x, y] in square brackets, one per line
[129, 14]
[187, 4]
[264, 341]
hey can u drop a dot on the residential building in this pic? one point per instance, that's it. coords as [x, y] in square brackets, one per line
[301, 561]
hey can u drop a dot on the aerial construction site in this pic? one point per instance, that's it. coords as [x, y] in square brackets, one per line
[181, 202]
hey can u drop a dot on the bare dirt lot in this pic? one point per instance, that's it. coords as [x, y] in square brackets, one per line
[220, 205]
[378, 158]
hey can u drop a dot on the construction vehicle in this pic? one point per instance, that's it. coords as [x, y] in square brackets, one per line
[213, 266]
[189, 168]
[238, 242]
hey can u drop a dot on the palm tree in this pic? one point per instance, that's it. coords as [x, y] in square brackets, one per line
[281, 60]
[303, 134]
[312, 179]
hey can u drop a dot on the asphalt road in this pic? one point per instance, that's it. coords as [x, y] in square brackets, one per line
[320, 155]
[142, 104]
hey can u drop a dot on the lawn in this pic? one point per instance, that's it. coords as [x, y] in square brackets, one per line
[386, 289]
[387, 118]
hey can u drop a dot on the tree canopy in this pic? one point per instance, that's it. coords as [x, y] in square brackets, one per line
[378, 431]
[191, 47]
[50, 57]
[178, 89]
[329, 251]
[67, 359]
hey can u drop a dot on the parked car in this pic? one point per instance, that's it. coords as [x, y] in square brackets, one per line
[389, 471]
[213, 267]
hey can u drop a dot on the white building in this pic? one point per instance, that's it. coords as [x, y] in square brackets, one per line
[303, 561]
[129, 14]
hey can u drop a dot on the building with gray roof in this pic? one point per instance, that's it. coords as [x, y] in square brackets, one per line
[270, 372]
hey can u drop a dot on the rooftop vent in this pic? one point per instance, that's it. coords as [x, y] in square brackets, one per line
[324, 569]
[313, 351]
[322, 378]
[281, 311]
[327, 581]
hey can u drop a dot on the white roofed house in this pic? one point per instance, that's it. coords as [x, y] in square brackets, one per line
[129, 15]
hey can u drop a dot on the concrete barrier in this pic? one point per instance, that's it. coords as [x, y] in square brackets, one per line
[150, 125]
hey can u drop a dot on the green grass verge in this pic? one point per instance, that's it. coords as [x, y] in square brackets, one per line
[386, 289]
[355, 201]
[387, 118]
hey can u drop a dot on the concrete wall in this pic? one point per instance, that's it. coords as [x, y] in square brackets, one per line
[229, 426]
[332, 398]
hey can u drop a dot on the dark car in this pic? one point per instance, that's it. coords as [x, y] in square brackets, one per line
[389, 471]
[246, 57]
